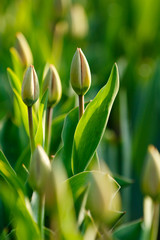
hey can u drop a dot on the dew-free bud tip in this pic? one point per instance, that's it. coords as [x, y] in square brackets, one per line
[52, 82]
[151, 175]
[30, 87]
[80, 74]
[23, 49]
[39, 171]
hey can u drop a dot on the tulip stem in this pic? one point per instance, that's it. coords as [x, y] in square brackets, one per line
[81, 106]
[31, 132]
[155, 221]
[48, 129]
[41, 214]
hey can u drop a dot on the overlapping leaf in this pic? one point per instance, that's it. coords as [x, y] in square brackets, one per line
[91, 126]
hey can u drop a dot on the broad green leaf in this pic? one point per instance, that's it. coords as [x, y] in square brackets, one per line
[92, 124]
[14, 81]
[65, 152]
[94, 163]
[65, 206]
[130, 231]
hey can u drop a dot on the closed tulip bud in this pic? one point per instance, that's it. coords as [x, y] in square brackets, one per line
[40, 169]
[151, 175]
[103, 197]
[53, 83]
[30, 87]
[80, 75]
[23, 49]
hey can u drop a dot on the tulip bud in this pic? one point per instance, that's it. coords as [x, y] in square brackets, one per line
[30, 87]
[23, 49]
[40, 169]
[53, 83]
[80, 73]
[103, 197]
[151, 175]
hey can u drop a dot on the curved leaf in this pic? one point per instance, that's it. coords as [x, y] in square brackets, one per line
[92, 125]
[129, 231]
[14, 80]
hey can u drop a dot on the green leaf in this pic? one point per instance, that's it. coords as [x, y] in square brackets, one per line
[22, 164]
[85, 183]
[92, 125]
[81, 180]
[7, 172]
[123, 181]
[17, 65]
[26, 228]
[57, 126]
[23, 110]
[14, 81]
[94, 163]
[65, 152]
[24, 113]
[66, 212]
[42, 108]
[130, 231]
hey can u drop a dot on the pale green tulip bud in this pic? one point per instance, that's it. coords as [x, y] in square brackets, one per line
[53, 83]
[80, 73]
[30, 87]
[151, 175]
[40, 169]
[103, 197]
[23, 49]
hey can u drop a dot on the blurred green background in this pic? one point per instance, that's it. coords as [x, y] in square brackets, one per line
[108, 31]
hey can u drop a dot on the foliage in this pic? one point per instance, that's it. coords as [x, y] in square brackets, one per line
[108, 31]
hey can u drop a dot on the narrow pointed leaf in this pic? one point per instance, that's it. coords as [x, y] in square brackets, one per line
[92, 125]
[8, 173]
[14, 80]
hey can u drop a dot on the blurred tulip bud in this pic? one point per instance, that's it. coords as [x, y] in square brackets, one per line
[61, 7]
[80, 73]
[23, 49]
[50, 192]
[40, 169]
[53, 83]
[103, 197]
[78, 21]
[30, 87]
[151, 175]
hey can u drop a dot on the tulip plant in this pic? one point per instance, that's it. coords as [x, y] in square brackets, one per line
[72, 194]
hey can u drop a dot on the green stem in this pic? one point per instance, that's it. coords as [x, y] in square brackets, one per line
[81, 106]
[31, 132]
[41, 214]
[48, 129]
[155, 222]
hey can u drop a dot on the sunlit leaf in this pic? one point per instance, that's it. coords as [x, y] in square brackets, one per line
[92, 124]
[14, 81]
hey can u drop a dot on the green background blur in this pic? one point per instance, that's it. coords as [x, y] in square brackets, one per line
[108, 31]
